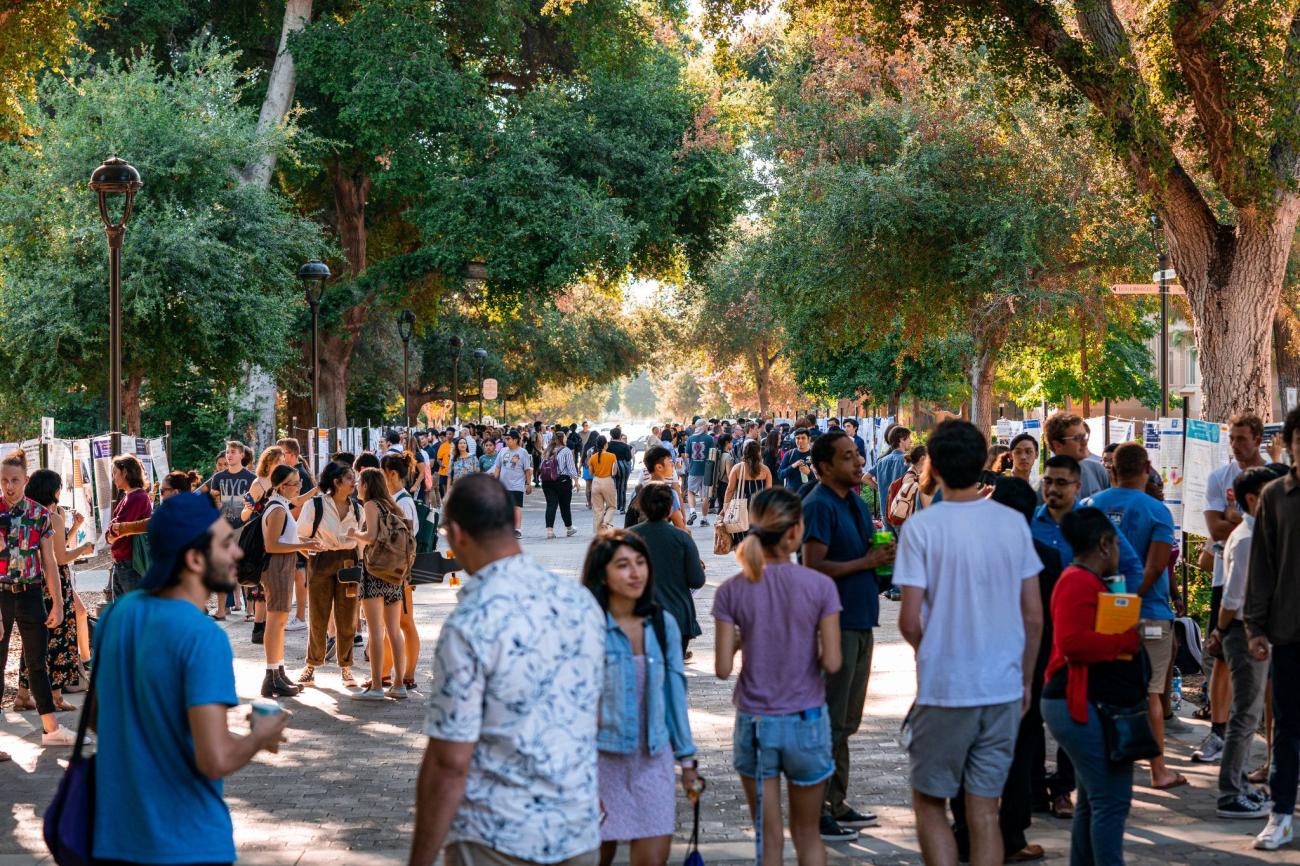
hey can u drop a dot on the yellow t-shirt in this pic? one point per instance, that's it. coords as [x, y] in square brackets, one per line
[444, 458]
[602, 465]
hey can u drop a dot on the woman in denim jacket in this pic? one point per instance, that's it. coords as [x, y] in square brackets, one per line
[643, 722]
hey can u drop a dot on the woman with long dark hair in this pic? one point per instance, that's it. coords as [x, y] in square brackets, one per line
[62, 654]
[558, 474]
[381, 599]
[328, 518]
[280, 537]
[747, 478]
[643, 712]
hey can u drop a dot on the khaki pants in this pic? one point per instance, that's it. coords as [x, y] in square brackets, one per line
[604, 503]
[325, 595]
[474, 854]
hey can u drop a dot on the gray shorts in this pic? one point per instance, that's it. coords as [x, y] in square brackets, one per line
[955, 746]
[697, 484]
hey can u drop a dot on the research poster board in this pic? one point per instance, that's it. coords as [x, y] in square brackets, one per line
[1204, 454]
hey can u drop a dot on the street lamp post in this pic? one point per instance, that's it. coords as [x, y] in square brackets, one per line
[115, 175]
[456, 345]
[1162, 258]
[313, 276]
[405, 328]
[480, 355]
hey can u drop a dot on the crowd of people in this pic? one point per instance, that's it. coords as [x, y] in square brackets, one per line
[576, 739]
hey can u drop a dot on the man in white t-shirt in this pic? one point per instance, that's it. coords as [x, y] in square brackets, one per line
[1222, 516]
[971, 610]
[514, 469]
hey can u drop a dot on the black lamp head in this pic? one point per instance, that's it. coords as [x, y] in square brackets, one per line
[456, 344]
[405, 325]
[313, 276]
[115, 175]
[480, 354]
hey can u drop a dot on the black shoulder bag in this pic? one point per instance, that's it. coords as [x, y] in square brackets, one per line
[1126, 730]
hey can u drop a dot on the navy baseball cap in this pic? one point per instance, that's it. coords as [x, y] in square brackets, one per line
[177, 523]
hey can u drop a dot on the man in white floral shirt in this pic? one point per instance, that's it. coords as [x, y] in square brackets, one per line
[509, 775]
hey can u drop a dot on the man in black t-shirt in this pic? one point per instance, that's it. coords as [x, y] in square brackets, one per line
[623, 454]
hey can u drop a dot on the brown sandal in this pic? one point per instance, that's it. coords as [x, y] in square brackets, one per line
[21, 706]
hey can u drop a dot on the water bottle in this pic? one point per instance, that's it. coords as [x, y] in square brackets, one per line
[1176, 690]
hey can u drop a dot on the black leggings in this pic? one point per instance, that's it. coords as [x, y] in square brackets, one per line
[26, 611]
[559, 494]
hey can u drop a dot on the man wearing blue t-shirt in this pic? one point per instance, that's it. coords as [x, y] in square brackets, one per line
[837, 542]
[164, 679]
[1060, 486]
[1148, 526]
[698, 483]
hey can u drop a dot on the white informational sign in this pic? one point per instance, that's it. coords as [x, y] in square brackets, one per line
[101, 449]
[1292, 398]
[1008, 430]
[1121, 431]
[158, 453]
[374, 440]
[1205, 453]
[82, 495]
[1151, 439]
[141, 448]
[1034, 427]
[47, 429]
[32, 451]
[1171, 470]
[489, 389]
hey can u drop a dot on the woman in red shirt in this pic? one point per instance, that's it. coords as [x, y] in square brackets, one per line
[1086, 669]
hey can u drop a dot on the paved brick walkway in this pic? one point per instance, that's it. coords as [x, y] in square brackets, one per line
[342, 790]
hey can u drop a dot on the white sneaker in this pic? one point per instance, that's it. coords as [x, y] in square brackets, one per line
[370, 695]
[397, 692]
[1211, 749]
[1276, 834]
[295, 624]
[61, 736]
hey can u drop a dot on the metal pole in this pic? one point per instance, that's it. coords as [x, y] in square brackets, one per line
[167, 431]
[406, 384]
[480, 392]
[455, 388]
[315, 364]
[115, 236]
[1184, 530]
[1163, 259]
[1106, 420]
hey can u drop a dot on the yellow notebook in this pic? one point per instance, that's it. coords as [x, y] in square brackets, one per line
[1117, 612]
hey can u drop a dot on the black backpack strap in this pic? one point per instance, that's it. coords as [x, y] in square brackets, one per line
[319, 502]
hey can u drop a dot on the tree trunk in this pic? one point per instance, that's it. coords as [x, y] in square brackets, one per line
[1233, 284]
[279, 89]
[1286, 350]
[131, 403]
[350, 193]
[982, 368]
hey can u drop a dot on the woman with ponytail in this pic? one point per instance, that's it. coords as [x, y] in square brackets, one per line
[787, 619]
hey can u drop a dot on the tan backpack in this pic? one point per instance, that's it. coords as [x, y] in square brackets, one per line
[390, 557]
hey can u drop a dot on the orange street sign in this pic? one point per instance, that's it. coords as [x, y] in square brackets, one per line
[1144, 289]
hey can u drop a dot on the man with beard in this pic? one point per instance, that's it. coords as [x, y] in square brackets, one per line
[164, 680]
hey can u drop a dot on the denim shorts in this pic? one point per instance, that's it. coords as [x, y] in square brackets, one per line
[798, 745]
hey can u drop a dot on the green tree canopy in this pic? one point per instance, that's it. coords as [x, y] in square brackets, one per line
[208, 278]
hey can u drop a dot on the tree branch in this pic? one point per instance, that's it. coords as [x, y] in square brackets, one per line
[1283, 154]
[1209, 91]
[1104, 70]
